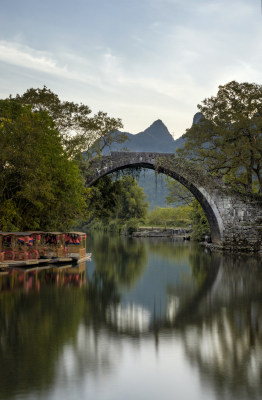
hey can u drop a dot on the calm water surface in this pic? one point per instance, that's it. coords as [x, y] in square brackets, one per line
[146, 319]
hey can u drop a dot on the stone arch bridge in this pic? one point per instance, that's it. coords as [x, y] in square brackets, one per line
[235, 220]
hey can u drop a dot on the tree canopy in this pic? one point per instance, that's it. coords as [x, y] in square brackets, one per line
[120, 199]
[228, 138]
[40, 188]
[42, 142]
[80, 131]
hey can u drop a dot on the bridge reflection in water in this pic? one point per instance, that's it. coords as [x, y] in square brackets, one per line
[68, 330]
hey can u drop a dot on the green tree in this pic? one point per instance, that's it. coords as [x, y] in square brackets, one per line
[119, 200]
[179, 194]
[40, 188]
[227, 140]
[79, 130]
[42, 142]
[199, 221]
[103, 199]
[132, 203]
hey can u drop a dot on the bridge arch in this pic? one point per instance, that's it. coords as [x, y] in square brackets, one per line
[227, 214]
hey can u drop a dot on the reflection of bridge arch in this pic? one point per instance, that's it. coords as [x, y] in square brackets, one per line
[232, 221]
[143, 316]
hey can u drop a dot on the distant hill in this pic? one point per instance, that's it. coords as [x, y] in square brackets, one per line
[156, 138]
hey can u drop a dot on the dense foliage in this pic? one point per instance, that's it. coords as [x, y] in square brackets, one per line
[227, 140]
[113, 202]
[40, 188]
[200, 223]
[42, 140]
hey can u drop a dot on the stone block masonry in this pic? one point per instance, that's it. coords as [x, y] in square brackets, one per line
[235, 220]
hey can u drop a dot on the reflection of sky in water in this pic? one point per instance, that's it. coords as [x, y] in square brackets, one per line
[105, 366]
[109, 368]
[128, 318]
[90, 268]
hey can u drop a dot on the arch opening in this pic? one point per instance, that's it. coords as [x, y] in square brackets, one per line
[203, 197]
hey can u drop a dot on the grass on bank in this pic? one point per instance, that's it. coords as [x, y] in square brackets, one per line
[170, 217]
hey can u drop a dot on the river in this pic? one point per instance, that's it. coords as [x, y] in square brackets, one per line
[145, 319]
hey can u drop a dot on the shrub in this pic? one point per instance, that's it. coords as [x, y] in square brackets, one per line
[132, 226]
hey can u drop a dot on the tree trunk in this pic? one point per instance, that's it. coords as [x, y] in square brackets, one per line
[249, 179]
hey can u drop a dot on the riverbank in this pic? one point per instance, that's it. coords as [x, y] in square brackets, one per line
[179, 233]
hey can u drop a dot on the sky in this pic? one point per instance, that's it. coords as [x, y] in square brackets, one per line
[138, 60]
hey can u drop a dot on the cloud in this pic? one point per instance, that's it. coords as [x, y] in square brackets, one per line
[26, 57]
[160, 61]
[99, 70]
[23, 56]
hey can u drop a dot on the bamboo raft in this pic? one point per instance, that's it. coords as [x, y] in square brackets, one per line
[29, 249]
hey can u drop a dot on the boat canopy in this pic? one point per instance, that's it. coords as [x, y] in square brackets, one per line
[40, 233]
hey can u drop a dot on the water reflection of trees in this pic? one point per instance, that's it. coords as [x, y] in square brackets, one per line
[33, 330]
[199, 259]
[219, 323]
[119, 259]
[225, 341]
[185, 296]
[164, 247]
[122, 262]
[181, 297]
[227, 350]
[38, 324]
